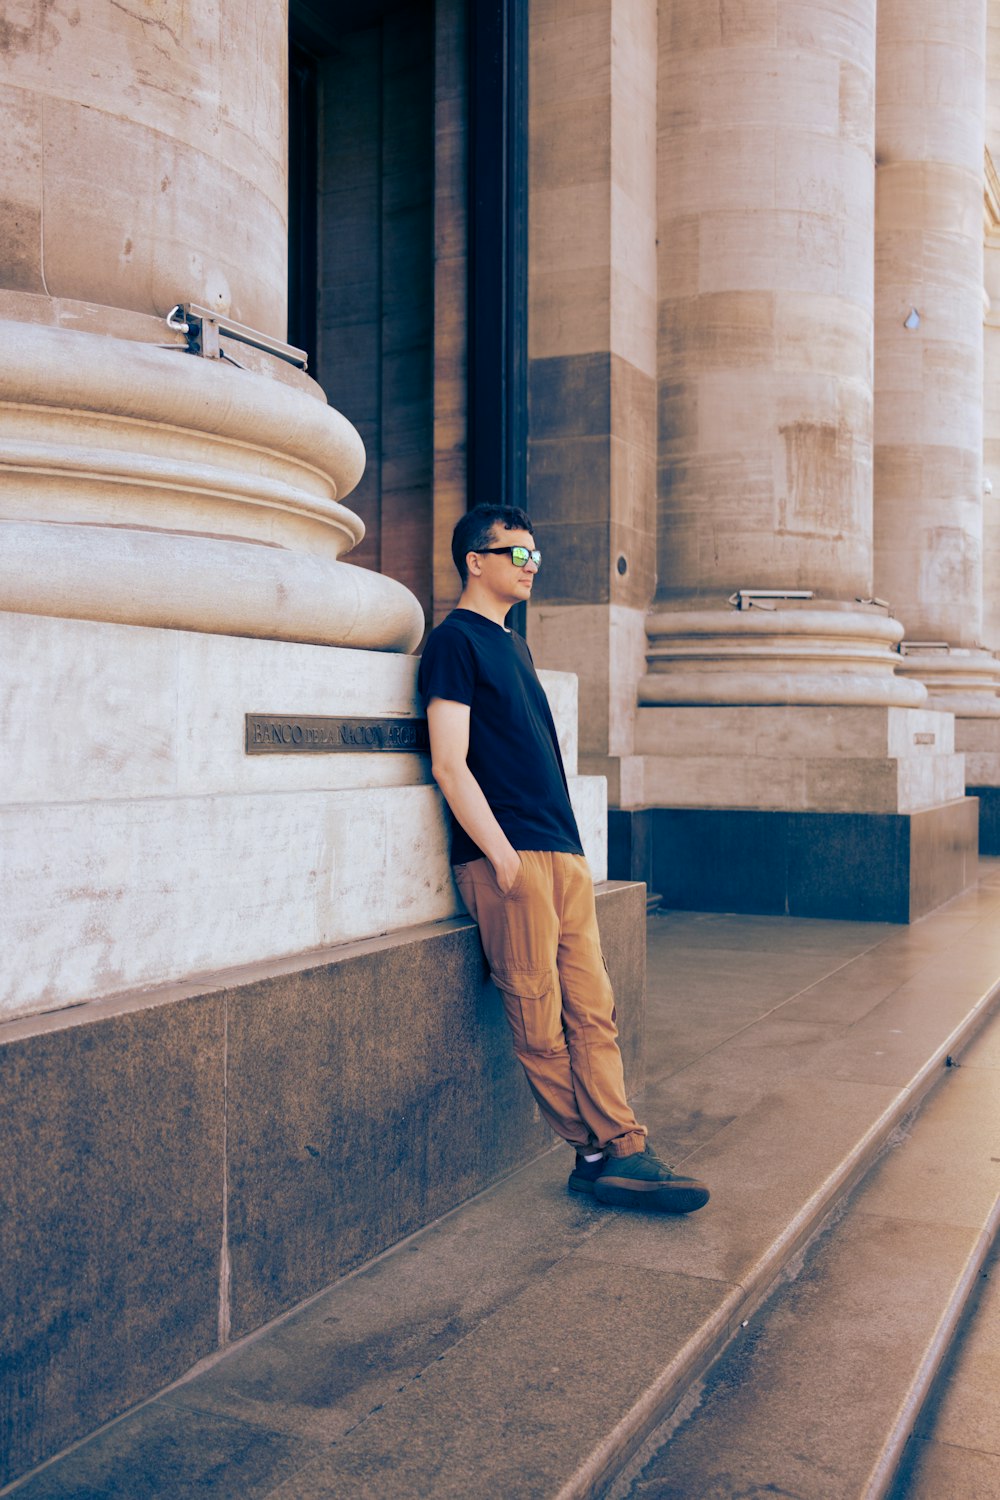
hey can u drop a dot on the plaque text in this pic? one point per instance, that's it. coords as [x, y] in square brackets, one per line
[288, 734]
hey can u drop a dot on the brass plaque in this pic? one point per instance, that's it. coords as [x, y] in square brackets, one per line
[296, 734]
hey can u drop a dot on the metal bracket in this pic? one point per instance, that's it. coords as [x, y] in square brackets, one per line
[761, 598]
[206, 329]
[879, 603]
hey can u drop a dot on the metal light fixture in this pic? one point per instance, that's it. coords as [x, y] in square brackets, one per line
[765, 598]
[206, 329]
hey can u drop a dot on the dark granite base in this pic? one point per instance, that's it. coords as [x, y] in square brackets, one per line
[342, 1103]
[989, 817]
[853, 866]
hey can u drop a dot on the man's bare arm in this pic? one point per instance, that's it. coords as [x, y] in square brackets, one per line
[448, 723]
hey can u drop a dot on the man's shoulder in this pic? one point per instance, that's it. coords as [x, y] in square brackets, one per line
[448, 663]
[452, 630]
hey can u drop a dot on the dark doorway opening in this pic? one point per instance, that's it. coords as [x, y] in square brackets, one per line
[362, 255]
[498, 250]
[361, 173]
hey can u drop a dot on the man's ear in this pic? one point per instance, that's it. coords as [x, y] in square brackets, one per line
[474, 564]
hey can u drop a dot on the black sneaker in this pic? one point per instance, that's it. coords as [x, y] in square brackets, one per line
[642, 1180]
[585, 1174]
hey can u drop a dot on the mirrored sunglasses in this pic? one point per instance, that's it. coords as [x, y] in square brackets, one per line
[519, 556]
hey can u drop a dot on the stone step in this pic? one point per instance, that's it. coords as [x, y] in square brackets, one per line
[954, 1448]
[526, 1345]
[819, 1393]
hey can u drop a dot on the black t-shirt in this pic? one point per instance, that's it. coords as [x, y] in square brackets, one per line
[513, 749]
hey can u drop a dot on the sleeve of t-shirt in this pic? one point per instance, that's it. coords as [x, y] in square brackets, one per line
[447, 668]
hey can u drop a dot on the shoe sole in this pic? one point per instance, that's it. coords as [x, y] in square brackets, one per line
[662, 1197]
[581, 1184]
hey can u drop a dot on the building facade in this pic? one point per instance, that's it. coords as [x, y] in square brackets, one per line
[712, 291]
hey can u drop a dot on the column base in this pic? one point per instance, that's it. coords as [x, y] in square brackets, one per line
[795, 758]
[979, 740]
[958, 680]
[988, 798]
[862, 867]
[835, 811]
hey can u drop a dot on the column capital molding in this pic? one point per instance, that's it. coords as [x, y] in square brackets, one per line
[146, 486]
[811, 655]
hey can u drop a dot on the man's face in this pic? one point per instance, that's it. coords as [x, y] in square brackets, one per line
[499, 574]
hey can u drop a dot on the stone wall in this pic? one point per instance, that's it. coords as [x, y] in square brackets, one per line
[184, 1165]
[144, 845]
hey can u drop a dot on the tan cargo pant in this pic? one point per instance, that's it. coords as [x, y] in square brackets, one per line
[544, 951]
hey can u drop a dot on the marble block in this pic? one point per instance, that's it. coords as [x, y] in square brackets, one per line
[796, 758]
[144, 846]
[979, 740]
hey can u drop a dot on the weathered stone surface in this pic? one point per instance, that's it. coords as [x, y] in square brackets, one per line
[457, 1364]
[175, 853]
[111, 1133]
[854, 866]
[185, 1165]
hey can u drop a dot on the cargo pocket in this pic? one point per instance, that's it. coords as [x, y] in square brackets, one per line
[533, 1003]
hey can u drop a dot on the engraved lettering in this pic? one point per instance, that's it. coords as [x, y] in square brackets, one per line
[271, 734]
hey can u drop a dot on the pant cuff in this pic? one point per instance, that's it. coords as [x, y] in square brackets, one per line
[627, 1145]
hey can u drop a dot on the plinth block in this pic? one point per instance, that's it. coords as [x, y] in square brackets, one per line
[876, 867]
[126, 1260]
[989, 817]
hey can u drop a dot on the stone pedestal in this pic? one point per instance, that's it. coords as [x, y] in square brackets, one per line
[820, 811]
[966, 683]
[143, 845]
[979, 740]
[174, 1162]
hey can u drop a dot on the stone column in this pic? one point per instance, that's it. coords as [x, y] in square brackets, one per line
[979, 736]
[592, 348]
[766, 215]
[991, 419]
[991, 340]
[145, 167]
[929, 342]
[774, 731]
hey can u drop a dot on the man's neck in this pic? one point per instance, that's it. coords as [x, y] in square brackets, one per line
[480, 602]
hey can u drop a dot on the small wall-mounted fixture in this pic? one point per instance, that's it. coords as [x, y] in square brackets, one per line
[622, 564]
[765, 598]
[987, 485]
[912, 319]
[205, 330]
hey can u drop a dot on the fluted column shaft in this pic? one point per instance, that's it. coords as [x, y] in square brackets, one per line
[929, 316]
[766, 194]
[766, 217]
[149, 157]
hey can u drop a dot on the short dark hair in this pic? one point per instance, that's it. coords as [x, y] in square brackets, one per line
[474, 531]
